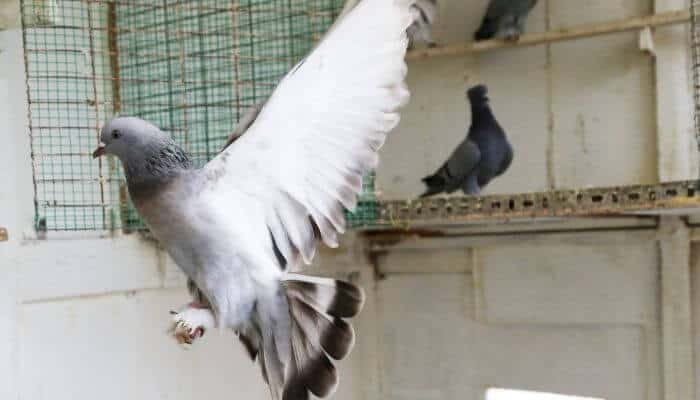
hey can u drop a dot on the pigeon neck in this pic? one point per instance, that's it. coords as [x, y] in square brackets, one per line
[481, 111]
[157, 165]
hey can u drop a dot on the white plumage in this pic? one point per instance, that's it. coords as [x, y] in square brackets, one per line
[298, 165]
[322, 127]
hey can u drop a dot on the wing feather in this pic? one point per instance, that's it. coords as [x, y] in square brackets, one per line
[304, 155]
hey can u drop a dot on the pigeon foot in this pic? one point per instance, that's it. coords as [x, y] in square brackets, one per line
[190, 323]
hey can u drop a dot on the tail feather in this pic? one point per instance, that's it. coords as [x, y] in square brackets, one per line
[251, 343]
[318, 333]
[337, 298]
[434, 184]
[487, 30]
[334, 335]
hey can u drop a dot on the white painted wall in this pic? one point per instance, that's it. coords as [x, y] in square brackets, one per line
[576, 313]
[579, 114]
[572, 314]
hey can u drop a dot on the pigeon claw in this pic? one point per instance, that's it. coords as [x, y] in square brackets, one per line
[190, 324]
[513, 37]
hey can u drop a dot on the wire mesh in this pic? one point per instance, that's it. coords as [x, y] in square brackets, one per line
[191, 67]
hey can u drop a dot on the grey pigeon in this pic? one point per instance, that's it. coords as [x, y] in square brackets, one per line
[505, 18]
[421, 29]
[483, 155]
[240, 224]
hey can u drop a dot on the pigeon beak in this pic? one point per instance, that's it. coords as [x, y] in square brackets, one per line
[99, 151]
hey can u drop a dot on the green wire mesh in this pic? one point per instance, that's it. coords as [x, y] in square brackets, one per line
[192, 67]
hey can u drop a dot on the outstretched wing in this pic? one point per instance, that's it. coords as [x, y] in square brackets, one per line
[244, 123]
[304, 156]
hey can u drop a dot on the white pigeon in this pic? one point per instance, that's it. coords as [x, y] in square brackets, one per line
[237, 225]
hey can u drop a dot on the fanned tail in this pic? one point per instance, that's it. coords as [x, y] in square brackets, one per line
[318, 333]
[298, 330]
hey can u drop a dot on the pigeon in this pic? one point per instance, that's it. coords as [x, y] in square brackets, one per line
[506, 18]
[245, 122]
[239, 225]
[483, 155]
[420, 30]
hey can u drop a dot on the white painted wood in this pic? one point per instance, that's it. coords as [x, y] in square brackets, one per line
[523, 239]
[646, 41]
[102, 348]
[677, 334]
[438, 261]
[61, 268]
[433, 348]
[16, 211]
[677, 147]
[572, 284]
[695, 310]
[602, 100]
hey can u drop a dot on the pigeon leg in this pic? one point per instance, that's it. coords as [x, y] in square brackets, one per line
[513, 37]
[190, 323]
[512, 29]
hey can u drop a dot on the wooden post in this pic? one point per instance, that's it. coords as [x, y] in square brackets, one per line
[676, 323]
[676, 147]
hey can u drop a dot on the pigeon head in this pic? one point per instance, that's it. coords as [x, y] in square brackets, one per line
[478, 93]
[144, 150]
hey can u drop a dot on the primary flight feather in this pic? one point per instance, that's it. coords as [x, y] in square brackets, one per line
[237, 225]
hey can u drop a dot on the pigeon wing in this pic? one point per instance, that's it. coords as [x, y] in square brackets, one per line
[507, 159]
[461, 163]
[245, 122]
[304, 155]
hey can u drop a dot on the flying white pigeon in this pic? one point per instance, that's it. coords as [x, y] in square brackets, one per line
[237, 225]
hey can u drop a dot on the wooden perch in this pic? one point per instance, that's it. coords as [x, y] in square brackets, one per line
[532, 39]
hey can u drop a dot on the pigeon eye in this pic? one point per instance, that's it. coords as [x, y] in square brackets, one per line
[116, 134]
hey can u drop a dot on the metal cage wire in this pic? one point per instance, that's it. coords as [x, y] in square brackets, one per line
[191, 67]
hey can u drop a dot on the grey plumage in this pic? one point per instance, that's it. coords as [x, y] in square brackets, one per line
[483, 155]
[423, 16]
[504, 18]
[316, 305]
[239, 224]
[318, 331]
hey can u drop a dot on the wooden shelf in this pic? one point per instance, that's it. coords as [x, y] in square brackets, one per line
[674, 198]
[579, 32]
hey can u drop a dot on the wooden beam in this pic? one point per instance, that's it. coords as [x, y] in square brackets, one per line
[579, 32]
[673, 198]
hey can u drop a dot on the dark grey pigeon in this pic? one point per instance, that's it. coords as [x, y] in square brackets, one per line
[505, 18]
[482, 156]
